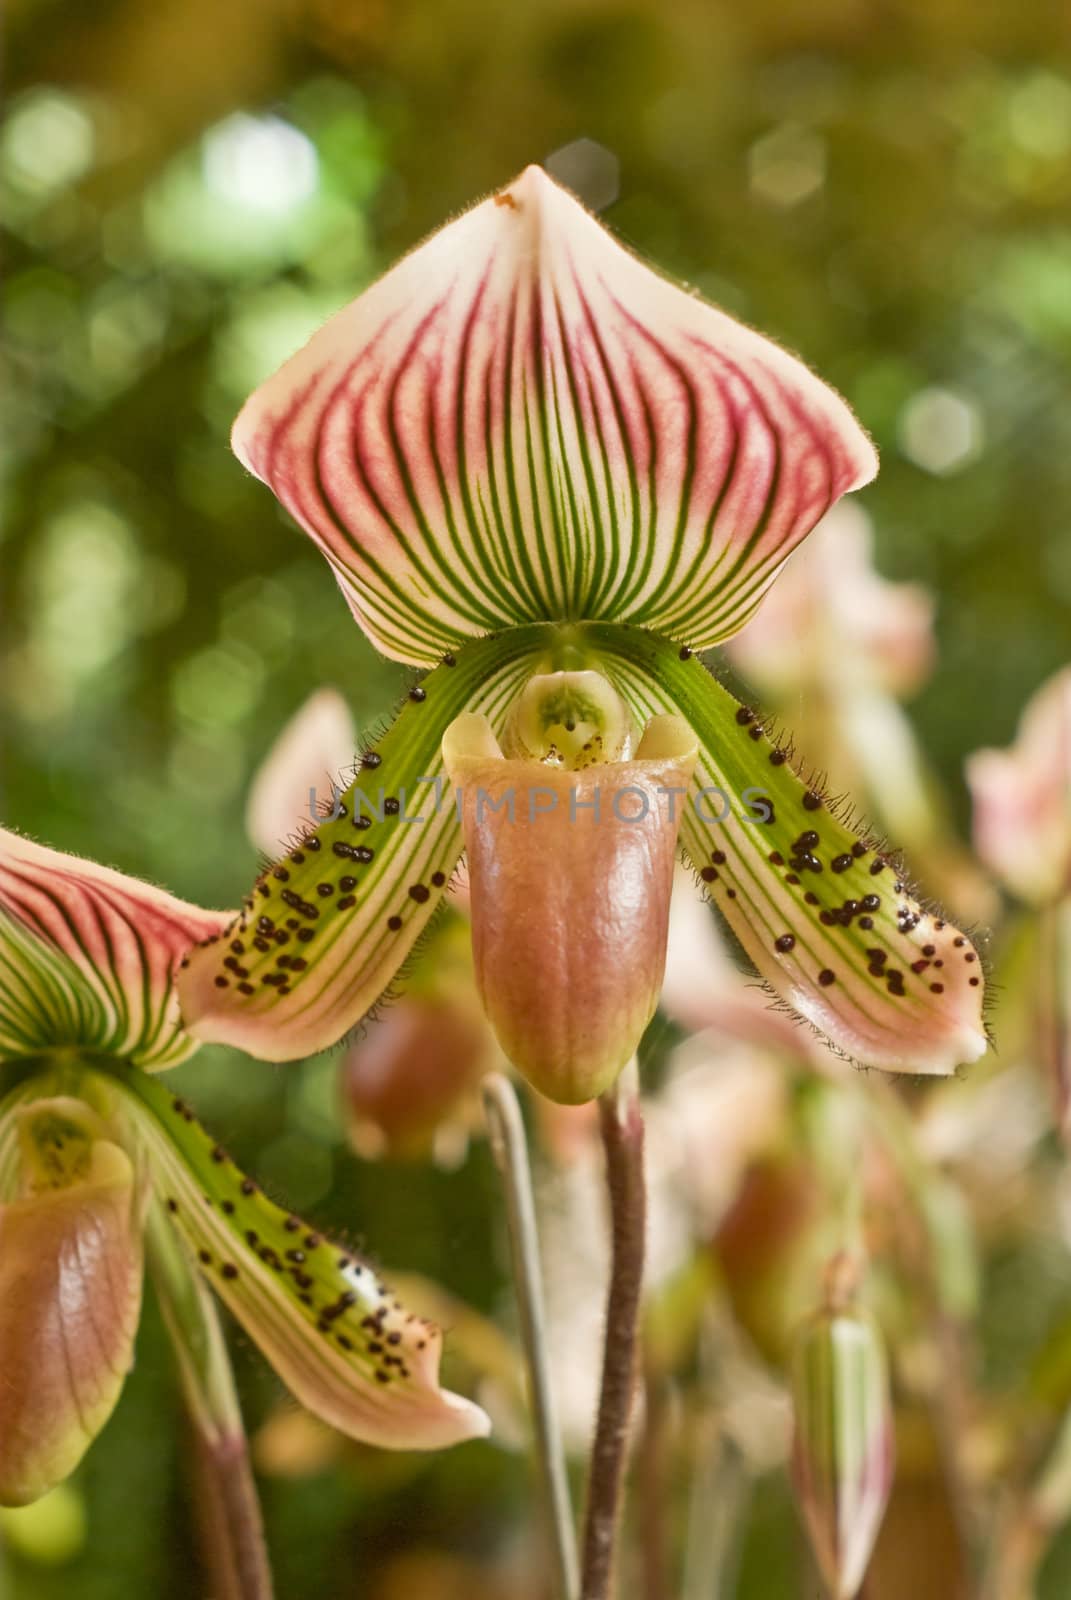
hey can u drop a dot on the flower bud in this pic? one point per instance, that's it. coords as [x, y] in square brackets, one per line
[571, 873]
[414, 1071]
[842, 1450]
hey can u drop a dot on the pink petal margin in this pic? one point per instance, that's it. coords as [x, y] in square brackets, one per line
[88, 957]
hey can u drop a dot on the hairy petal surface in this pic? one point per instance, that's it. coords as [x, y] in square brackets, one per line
[70, 1295]
[334, 1333]
[522, 421]
[88, 957]
[827, 919]
[326, 929]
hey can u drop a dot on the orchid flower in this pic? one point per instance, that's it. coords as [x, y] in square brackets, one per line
[549, 477]
[94, 1152]
[1022, 800]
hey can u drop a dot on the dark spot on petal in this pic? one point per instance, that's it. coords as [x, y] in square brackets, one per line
[826, 977]
[784, 943]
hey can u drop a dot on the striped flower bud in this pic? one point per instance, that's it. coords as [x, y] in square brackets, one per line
[843, 1448]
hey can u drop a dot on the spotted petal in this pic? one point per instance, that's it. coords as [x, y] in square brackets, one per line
[334, 1333]
[325, 930]
[827, 919]
[521, 421]
[88, 957]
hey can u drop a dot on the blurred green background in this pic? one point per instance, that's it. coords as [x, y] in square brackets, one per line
[188, 189]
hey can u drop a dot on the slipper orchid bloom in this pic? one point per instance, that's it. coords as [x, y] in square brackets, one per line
[93, 1151]
[1022, 800]
[548, 475]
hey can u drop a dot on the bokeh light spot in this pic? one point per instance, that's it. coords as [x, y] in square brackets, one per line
[262, 163]
[591, 171]
[47, 142]
[941, 431]
[787, 165]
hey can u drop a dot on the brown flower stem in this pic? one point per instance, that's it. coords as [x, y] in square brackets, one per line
[228, 1512]
[622, 1136]
[228, 1507]
[509, 1148]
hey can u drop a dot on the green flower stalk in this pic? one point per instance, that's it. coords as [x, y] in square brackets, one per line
[94, 1151]
[842, 1449]
[547, 477]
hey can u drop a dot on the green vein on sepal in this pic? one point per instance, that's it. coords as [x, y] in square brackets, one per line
[323, 1317]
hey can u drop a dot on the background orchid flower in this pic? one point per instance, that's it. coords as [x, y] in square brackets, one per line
[92, 1148]
[1022, 799]
[1022, 832]
[526, 454]
[298, 778]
